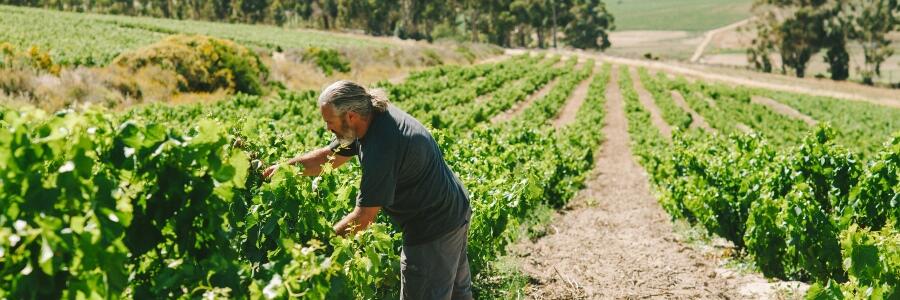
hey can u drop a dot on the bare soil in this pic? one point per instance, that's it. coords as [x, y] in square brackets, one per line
[783, 109]
[576, 99]
[664, 44]
[615, 242]
[696, 119]
[647, 101]
[708, 37]
[519, 107]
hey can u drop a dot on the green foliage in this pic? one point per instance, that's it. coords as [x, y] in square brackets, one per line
[590, 21]
[863, 126]
[876, 200]
[872, 260]
[91, 203]
[328, 60]
[671, 113]
[477, 21]
[800, 204]
[95, 40]
[466, 52]
[202, 63]
[723, 107]
[33, 58]
[718, 193]
[647, 142]
[168, 201]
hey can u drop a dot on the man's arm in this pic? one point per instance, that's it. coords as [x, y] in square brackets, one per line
[312, 162]
[358, 220]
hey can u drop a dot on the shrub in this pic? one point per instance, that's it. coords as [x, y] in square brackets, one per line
[328, 60]
[34, 59]
[202, 63]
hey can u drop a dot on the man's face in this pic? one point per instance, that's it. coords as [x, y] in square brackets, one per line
[338, 125]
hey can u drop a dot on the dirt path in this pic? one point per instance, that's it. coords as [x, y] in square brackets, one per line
[568, 113]
[488, 96]
[696, 119]
[647, 101]
[698, 53]
[615, 242]
[520, 106]
[622, 247]
[783, 109]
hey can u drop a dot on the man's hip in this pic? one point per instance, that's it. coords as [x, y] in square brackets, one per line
[438, 269]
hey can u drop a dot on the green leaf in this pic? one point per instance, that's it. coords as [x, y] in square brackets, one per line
[45, 260]
[241, 164]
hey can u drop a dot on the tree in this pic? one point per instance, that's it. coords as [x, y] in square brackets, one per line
[589, 23]
[502, 22]
[519, 10]
[764, 43]
[799, 42]
[277, 13]
[869, 22]
[539, 19]
[798, 29]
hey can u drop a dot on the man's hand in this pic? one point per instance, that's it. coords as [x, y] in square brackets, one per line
[270, 171]
[358, 220]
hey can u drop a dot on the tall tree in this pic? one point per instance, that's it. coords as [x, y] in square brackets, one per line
[869, 23]
[502, 22]
[764, 44]
[799, 41]
[589, 24]
[798, 29]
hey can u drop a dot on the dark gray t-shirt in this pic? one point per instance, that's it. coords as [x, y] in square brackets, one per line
[404, 172]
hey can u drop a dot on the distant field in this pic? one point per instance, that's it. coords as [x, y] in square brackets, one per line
[687, 15]
[92, 39]
[730, 48]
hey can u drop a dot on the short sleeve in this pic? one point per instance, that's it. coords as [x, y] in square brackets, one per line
[379, 179]
[348, 151]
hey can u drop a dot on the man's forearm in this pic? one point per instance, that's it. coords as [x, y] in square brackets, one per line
[357, 220]
[345, 225]
[312, 161]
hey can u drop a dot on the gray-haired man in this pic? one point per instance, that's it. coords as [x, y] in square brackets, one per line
[404, 172]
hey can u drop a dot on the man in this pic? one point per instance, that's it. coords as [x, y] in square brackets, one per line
[404, 173]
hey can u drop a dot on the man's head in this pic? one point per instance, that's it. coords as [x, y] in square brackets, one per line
[347, 109]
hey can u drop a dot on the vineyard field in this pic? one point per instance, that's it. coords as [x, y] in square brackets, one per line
[95, 40]
[168, 201]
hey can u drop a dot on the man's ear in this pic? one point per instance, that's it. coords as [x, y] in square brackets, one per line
[349, 117]
[353, 117]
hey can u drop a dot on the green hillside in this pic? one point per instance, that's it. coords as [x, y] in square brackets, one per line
[93, 39]
[688, 15]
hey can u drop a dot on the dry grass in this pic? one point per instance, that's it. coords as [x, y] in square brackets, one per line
[116, 87]
[677, 45]
[370, 66]
[109, 87]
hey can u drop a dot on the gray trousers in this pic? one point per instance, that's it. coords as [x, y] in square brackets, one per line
[438, 269]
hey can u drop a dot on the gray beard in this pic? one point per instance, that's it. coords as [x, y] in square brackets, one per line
[345, 141]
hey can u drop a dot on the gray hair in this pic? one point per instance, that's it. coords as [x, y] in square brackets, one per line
[346, 96]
